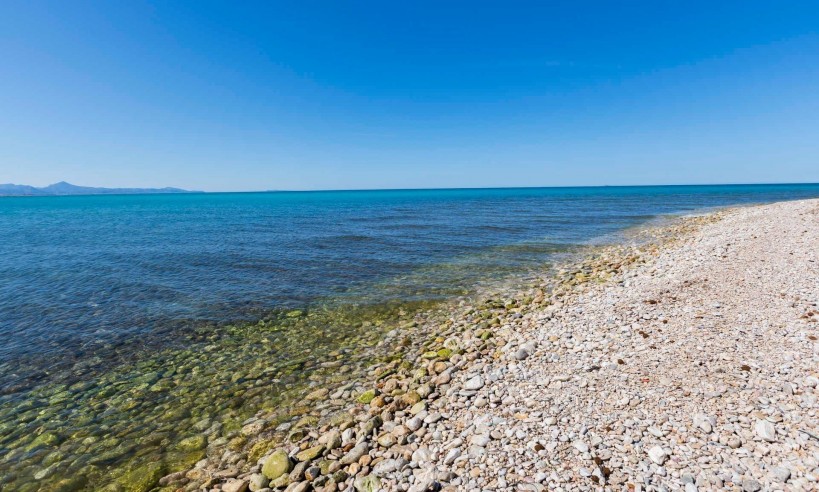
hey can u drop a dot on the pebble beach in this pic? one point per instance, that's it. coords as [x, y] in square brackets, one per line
[683, 360]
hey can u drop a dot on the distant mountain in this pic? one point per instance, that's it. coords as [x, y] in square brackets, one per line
[63, 188]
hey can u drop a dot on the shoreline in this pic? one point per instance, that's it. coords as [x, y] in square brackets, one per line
[398, 403]
[401, 415]
[489, 410]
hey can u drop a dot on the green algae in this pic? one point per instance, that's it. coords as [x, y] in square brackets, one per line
[141, 479]
[128, 426]
[366, 397]
[276, 465]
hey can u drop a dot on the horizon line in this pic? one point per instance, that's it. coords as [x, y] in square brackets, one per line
[353, 190]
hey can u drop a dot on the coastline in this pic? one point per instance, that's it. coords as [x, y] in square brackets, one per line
[432, 407]
[496, 406]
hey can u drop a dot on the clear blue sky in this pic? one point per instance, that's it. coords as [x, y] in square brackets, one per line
[334, 95]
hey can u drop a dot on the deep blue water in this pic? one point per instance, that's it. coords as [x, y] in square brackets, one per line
[79, 274]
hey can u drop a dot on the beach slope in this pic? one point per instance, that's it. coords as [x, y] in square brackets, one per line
[683, 359]
[696, 369]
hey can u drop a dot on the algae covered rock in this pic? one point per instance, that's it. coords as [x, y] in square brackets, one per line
[370, 483]
[310, 453]
[192, 443]
[46, 439]
[260, 449]
[366, 397]
[276, 465]
[141, 479]
[444, 354]
[340, 419]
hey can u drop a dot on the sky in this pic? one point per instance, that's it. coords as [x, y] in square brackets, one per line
[232, 96]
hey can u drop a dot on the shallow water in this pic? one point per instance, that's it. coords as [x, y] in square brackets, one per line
[174, 285]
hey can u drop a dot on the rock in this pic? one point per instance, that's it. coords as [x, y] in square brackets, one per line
[310, 454]
[414, 424]
[750, 485]
[370, 483]
[425, 484]
[231, 472]
[780, 473]
[312, 473]
[474, 384]
[371, 426]
[418, 408]
[193, 443]
[409, 399]
[703, 423]
[46, 439]
[657, 455]
[481, 440]
[141, 479]
[452, 455]
[299, 487]
[421, 455]
[581, 446]
[276, 465]
[385, 466]
[297, 474]
[172, 478]
[260, 449]
[355, 454]
[253, 428]
[341, 419]
[340, 476]
[765, 430]
[257, 482]
[521, 354]
[331, 440]
[234, 485]
[366, 397]
[281, 482]
[386, 440]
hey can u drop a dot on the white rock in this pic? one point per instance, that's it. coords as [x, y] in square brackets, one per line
[765, 430]
[480, 440]
[421, 455]
[657, 455]
[384, 467]
[521, 354]
[414, 424]
[474, 384]
[452, 455]
[703, 423]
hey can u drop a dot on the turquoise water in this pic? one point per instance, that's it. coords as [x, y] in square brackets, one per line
[89, 275]
[128, 321]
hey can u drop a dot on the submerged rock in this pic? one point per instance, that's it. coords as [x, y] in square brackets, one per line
[141, 479]
[276, 465]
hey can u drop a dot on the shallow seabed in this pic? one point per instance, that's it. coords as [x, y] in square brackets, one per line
[157, 414]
